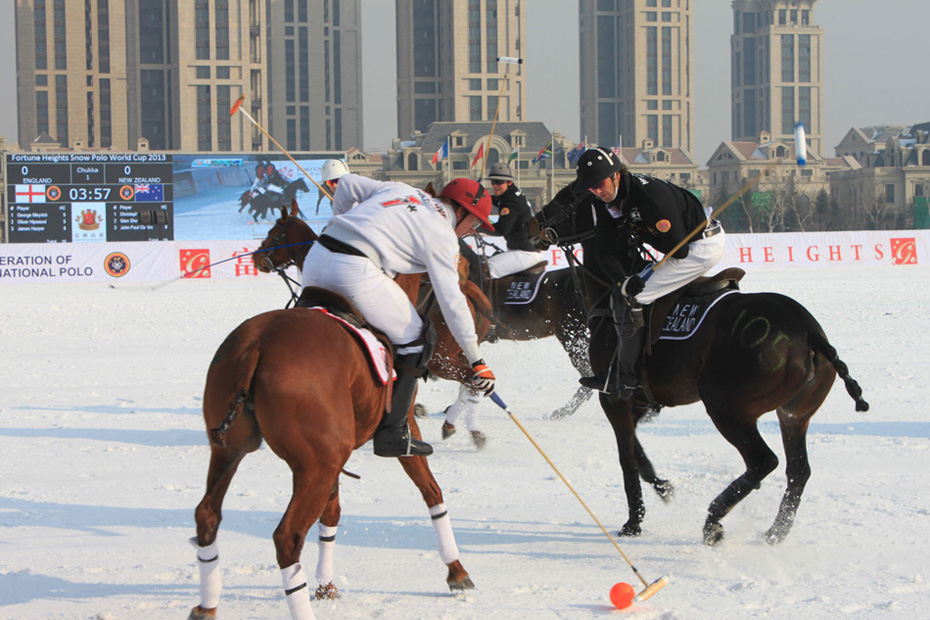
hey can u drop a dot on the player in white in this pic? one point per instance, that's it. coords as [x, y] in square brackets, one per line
[330, 173]
[388, 228]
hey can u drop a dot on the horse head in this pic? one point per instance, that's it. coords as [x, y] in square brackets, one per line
[287, 242]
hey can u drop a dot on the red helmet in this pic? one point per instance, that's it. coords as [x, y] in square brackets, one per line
[471, 196]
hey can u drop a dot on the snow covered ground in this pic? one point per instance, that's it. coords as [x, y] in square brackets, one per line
[104, 457]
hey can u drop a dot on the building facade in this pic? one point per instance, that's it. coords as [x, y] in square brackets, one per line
[315, 74]
[637, 79]
[776, 59]
[447, 67]
[116, 74]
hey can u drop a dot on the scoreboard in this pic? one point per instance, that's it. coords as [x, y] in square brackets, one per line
[81, 197]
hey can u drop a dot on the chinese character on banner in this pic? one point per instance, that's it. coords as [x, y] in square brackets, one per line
[244, 264]
[904, 251]
[195, 263]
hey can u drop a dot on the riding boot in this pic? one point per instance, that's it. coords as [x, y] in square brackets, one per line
[393, 438]
[623, 375]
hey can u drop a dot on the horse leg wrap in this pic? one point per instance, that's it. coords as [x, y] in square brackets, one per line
[211, 582]
[324, 564]
[448, 550]
[296, 592]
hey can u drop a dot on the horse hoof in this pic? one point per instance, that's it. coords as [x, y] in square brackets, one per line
[664, 489]
[420, 411]
[713, 534]
[461, 584]
[479, 439]
[199, 613]
[447, 430]
[630, 530]
[329, 592]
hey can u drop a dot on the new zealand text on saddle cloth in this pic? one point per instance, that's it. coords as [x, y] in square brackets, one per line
[376, 351]
[687, 315]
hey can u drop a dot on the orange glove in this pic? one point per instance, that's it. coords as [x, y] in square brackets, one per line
[483, 379]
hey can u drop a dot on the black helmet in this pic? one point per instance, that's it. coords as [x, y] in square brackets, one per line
[595, 165]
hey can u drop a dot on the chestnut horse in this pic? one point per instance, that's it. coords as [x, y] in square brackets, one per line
[557, 310]
[753, 353]
[299, 380]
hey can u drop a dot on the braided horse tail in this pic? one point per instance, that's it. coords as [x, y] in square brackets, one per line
[820, 345]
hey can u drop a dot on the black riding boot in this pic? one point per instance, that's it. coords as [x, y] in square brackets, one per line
[623, 376]
[393, 438]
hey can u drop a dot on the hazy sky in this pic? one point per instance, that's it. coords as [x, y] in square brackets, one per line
[873, 65]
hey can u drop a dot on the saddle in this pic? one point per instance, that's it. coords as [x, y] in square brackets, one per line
[340, 306]
[705, 286]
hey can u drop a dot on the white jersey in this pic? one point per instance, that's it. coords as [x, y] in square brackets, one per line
[405, 230]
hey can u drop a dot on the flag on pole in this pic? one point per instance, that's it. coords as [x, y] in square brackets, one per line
[575, 153]
[618, 149]
[442, 152]
[478, 155]
[545, 152]
[513, 154]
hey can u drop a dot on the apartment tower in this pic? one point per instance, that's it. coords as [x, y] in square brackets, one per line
[447, 68]
[777, 71]
[637, 79]
[119, 73]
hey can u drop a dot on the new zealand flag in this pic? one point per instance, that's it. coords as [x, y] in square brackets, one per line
[149, 192]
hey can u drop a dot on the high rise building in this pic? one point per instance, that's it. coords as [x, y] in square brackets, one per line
[119, 73]
[637, 79]
[315, 74]
[447, 68]
[777, 70]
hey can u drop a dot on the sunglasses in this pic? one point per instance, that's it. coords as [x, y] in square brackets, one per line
[497, 181]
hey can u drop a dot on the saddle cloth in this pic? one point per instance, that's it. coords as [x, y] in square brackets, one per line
[524, 286]
[686, 316]
[376, 351]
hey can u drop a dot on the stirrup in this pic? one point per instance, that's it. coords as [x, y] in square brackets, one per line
[604, 385]
[397, 442]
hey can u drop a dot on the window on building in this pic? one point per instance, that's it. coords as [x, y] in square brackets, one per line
[787, 110]
[804, 58]
[889, 193]
[787, 58]
[474, 109]
[203, 73]
[222, 73]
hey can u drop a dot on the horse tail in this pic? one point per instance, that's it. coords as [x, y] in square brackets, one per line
[820, 345]
[247, 365]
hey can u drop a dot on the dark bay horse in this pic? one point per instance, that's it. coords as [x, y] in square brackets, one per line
[753, 353]
[299, 380]
[556, 309]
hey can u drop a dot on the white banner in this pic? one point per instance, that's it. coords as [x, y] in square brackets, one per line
[156, 261]
[152, 261]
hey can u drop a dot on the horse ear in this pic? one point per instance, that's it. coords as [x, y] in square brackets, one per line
[283, 212]
[429, 189]
[294, 208]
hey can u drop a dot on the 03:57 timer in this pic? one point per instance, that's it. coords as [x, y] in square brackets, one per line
[88, 194]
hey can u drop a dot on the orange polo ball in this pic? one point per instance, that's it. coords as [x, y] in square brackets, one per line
[621, 595]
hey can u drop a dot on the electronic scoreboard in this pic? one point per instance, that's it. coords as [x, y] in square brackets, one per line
[81, 197]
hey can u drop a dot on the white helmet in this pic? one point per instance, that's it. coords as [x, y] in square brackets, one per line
[334, 169]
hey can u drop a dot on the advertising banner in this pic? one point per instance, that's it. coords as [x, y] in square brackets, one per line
[156, 261]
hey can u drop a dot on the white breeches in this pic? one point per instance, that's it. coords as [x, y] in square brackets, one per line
[513, 261]
[383, 304]
[676, 272]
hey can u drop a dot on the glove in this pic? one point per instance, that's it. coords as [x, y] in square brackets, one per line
[483, 379]
[632, 286]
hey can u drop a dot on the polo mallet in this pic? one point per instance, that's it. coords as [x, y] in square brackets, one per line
[237, 107]
[507, 61]
[648, 588]
[800, 150]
